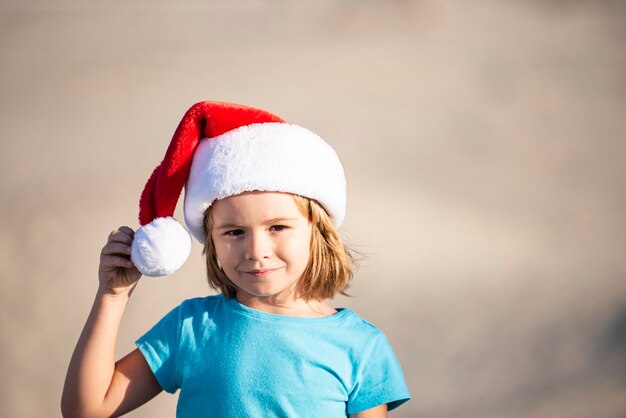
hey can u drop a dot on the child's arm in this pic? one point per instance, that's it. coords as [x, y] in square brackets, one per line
[95, 385]
[379, 411]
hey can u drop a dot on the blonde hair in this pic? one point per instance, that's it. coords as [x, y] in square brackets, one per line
[329, 270]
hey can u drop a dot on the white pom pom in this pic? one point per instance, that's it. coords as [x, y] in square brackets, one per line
[160, 247]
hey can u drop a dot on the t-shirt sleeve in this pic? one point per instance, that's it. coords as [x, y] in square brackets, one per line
[159, 347]
[379, 380]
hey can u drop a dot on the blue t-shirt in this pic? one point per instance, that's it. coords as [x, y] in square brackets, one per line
[229, 360]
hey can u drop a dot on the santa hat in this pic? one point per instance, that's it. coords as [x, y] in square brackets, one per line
[220, 150]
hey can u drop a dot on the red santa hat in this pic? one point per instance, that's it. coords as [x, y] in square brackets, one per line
[220, 150]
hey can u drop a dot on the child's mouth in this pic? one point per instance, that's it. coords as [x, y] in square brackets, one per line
[261, 272]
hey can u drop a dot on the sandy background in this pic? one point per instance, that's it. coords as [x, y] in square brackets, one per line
[485, 149]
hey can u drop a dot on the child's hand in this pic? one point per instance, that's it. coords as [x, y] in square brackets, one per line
[117, 273]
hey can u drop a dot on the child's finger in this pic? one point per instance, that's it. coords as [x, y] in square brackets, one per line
[116, 261]
[127, 230]
[116, 248]
[120, 236]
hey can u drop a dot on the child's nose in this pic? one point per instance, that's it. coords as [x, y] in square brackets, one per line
[259, 247]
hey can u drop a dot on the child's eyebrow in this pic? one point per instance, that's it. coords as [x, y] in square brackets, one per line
[275, 220]
[228, 226]
[267, 222]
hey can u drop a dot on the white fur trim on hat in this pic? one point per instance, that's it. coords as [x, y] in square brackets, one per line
[160, 247]
[271, 156]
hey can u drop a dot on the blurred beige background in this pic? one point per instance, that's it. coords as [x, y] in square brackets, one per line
[484, 144]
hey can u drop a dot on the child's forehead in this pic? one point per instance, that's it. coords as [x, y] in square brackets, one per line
[257, 204]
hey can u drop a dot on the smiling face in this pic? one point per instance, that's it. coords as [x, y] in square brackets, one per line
[262, 242]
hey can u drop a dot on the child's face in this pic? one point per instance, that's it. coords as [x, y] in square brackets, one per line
[262, 241]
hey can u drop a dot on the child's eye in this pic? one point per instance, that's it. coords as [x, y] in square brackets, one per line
[234, 233]
[278, 228]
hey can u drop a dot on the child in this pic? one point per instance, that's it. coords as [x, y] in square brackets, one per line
[265, 197]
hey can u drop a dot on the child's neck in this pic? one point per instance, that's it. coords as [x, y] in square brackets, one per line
[290, 307]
